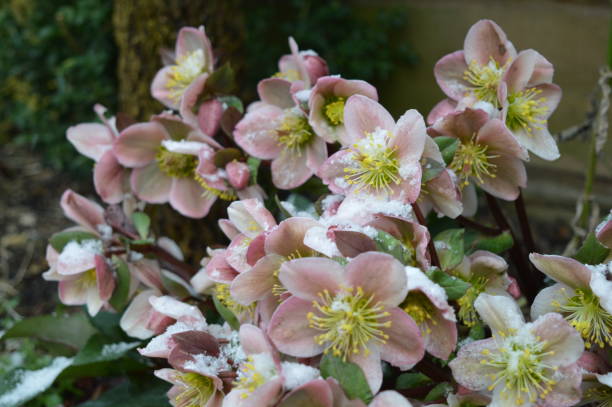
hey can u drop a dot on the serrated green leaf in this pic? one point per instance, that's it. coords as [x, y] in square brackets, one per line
[349, 375]
[439, 392]
[449, 245]
[411, 380]
[497, 244]
[72, 330]
[448, 147]
[142, 223]
[121, 293]
[386, 243]
[253, 164]
[454, 287]
[59, 240]
[431, 169]
[591, 251]
[226, 314]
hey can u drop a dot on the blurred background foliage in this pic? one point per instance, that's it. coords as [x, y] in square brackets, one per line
[61, 57]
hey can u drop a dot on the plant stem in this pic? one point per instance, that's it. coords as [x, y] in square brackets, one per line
[484, 229]
[521, 212]
[527, 278]
[430, 245]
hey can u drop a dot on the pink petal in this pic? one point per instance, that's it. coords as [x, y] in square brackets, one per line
[276, 91]
[540, 142]
[90, 139]
[567, 391]
[467, 369]
[461, 124]
[289, 329]
[370, 365]
[147, 271]
[442, 340]
[527, 70]
[380, 275]
[543, 302]
[82, 211]
[315, 393]
[500, 140]
[256, 132]
[219, 270]
[363, 115]
[288, 237]
[290, 170]
[440, 110]
[138, 144]
[160, 90]
[501, 313]
[316, 154]
[253, 340]
[250, 217]
[238, 174]
[256, 283]
[150, 184]
[389, 398]
[73, 292]
[409, 137]
[445, 194]
[191, 39]
[236, 253]
[560, 337]
[209, 117]
[562, 269]
[175, 309]
[486, 40]
[135, 317]
[332, 171]
[189, 198]
[309, 276]
[449, 73]
[110, 178]
[405, 347]
[510, 176]
[351, 243]
[104, 279]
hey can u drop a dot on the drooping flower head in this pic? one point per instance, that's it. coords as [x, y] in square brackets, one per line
[381, 156]
[523, 364]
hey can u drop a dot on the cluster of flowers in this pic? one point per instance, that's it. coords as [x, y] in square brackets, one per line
[354, 292]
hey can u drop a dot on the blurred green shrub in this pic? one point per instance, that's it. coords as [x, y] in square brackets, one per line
[57, 60]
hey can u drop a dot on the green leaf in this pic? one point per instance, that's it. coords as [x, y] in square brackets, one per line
[349, 375]
[232, 101]
[226, 314]
[59, 240]
[253, 164]
[497, 244]
[449, 245]
[386, 243]
[72, 330]
[454, 287]
[20, 385]
[431, 170]
[592, 252]
[142, 222]
[411, 380]
[128, 394]
[439, 392]
[107, 323]
[122, 288]
[448, 147]
[103, 349]
[221, 81]
[477, 332]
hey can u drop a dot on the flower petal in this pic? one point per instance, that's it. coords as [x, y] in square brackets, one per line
[288, 238]
[449, 72]
[405, 347]
[379, 275]
[189, 198]
[486, 40]
[256, 132]
[467, 367]
[256, 283]
[290, 170]
[562, 340]
[150, 184]
[82, 211]
[501, 313]
[110, 178]
[276, 91]
[138, 144]
[309, 276]
[90, 139]
[363, 115]
[546, 299]
[562, 269]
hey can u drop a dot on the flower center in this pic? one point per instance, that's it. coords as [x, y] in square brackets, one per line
[227, 195]
[600, 394]
[420, 308]
[176, 165]
[525, 111]
[334, 110]
[188, 68]
[376, 165]
[222, 292]
[467, 312]
[484, 80]
[278, 288]
[349, 321]
[195, 390]
[584, 312]
[290, 74]
[520, 370]
[471, 160]
[256, 371]
[294, 132]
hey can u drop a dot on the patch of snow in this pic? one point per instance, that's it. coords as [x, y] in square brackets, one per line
[297, 374]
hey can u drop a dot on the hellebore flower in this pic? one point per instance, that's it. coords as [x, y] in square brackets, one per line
[193, 62]
[531, 99]
[278, 130]
[488, 155]
[427, 304]
[164, 167]
[140, 320]
[352, 313]
[478, 69]
[382, 157]
[301, 66]
[523, 364]
[581, 295]
[326, 105]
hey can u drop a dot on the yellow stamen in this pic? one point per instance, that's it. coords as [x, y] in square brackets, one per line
[484, 80]
[294, 133]
[186, 70]
[227, 195]
[471, 160]
[334, 110]
[222, 292]
[195, 390]
[467, 312]
[526, 111]
[421, 309]
[176, 165]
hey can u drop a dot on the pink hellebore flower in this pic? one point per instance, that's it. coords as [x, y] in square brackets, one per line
[140, 320]
[487, 155]
[581, 294]
[427, 304]
[193, 63]
[352, 313]
[478, 69]
[304, 67]
[382, 157]
[165, 168]
[326, 105]
[278, 130]
[95, 140]
[531, 99]
[523, 364]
